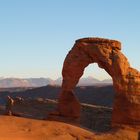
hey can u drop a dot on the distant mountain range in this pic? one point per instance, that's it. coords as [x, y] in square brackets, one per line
[39, 82]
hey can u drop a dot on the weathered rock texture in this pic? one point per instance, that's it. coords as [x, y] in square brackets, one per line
[126, 80]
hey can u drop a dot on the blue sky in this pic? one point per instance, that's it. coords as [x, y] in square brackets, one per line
[36, 35]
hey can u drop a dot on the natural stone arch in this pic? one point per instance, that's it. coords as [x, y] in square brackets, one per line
[126, 80]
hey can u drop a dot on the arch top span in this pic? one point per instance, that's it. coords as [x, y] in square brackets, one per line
[126, 80]
[92, 40]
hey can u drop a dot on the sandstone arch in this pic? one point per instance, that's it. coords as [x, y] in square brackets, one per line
[126, 80]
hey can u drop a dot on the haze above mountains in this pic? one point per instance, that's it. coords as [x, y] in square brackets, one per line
[39, 82]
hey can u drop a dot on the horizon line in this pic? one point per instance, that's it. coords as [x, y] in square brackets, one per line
[13, 77]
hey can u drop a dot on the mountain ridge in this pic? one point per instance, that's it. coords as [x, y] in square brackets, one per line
[39, 82]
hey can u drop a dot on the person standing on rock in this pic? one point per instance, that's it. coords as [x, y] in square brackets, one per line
[9, 104]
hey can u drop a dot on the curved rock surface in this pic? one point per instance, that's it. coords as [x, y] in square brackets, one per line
[29, 129]
[126, 80]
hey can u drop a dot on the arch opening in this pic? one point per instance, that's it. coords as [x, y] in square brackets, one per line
[95, 93]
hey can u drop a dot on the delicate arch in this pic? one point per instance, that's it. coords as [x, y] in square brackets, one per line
[126, 80]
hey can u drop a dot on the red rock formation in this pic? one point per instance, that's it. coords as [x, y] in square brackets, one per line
[126, 80]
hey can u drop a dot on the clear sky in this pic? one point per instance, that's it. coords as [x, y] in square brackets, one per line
[36, 35]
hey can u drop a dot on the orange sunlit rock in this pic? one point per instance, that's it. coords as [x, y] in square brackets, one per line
[126, 80]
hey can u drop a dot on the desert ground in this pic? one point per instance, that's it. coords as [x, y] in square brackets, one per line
[16, 128]
[30, 121]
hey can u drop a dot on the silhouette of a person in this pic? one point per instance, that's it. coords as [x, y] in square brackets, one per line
[9, 104]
